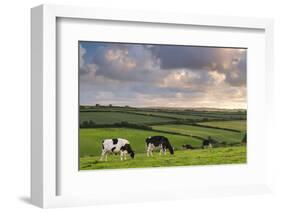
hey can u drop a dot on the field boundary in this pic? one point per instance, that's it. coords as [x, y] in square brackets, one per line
[215, 127]
[205, 117]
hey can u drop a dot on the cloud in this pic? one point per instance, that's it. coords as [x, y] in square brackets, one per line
[85, 68]
[126, 63]
[223, 60]
[160, 75]
[217, 77]
[82, 52]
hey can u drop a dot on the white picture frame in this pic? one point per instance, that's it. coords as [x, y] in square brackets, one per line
[44, 149]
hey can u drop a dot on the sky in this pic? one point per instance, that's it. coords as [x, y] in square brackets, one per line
[145, 75]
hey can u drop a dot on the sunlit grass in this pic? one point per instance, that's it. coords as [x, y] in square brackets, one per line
[228, 155]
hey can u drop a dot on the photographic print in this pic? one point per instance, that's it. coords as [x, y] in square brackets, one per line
[158, 105]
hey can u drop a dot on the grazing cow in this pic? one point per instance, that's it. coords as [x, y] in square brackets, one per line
[207, 143]
[116, 145]
[187, 146]
[159, 142]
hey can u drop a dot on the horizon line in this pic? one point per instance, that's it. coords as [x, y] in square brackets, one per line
[197, 107]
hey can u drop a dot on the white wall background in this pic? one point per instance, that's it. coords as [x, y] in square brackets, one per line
[15, 103]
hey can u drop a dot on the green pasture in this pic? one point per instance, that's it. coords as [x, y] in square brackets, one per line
[163, 123]
[117, 117]
[228, 155]
[237, 125]
[91, 139]
[170, 114]
[221, 115]
[218, 134]
[173, 113]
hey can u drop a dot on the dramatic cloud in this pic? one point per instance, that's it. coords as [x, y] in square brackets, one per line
[162, 75]
[126, 62]
[232, 62]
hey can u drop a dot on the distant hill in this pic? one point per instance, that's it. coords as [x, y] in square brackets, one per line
[200, 109]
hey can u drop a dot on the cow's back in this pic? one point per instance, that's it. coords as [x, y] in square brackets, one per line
[108, 144]
[156, 140]
[123, 141]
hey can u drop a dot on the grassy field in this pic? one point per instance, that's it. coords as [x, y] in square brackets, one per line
[171, 115]
[100, 115]
[237, 125]
[229, 155]
[117, 117]
[178, 125]
[218, 134]
[90, 139]
[230, 115]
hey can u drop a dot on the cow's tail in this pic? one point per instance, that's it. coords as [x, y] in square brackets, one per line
[169, 146]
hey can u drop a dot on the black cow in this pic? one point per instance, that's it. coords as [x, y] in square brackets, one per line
[159, 142]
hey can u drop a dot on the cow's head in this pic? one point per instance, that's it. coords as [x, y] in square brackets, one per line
[132, 154]
[129, 150]
[171, 150]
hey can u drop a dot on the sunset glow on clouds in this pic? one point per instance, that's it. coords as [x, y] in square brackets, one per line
[162, 75]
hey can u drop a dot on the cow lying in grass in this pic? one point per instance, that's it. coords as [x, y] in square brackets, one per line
[116, 145]
[158, 142]
[187, 146]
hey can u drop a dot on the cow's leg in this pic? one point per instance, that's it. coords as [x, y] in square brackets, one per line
[148, 150]
[165, 151]
[125, 155]
[102, 155]
[105, 156]
[121, 155]
[152, 147]
[161, 150]
[210, 145]
[147, 153]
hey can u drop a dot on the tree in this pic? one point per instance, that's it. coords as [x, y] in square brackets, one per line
[91, 123]
[85, 124]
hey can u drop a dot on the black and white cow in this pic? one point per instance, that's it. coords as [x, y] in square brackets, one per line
[158, 142]
[116, 145]
[187, 146]
[207, 143]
